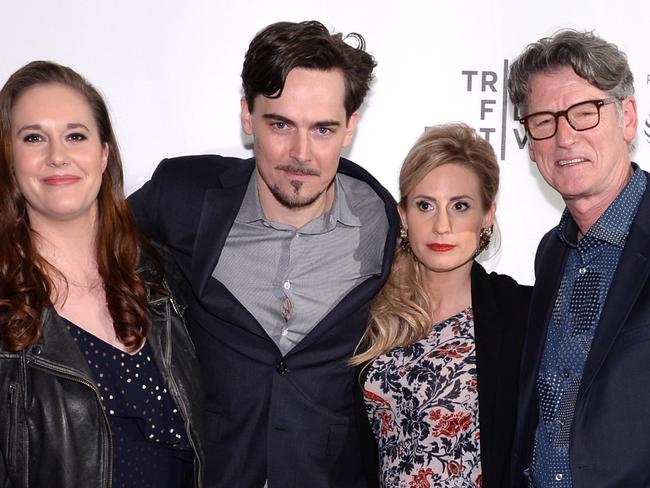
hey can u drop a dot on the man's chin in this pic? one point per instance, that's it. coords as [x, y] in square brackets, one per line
[295, 200]
[298, 203]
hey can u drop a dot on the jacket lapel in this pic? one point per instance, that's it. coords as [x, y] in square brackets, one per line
[220, 207]
[56, 348]
[631, 276]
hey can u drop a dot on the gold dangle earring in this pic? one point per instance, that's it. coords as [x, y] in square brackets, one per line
[404, 239]
[484, 239]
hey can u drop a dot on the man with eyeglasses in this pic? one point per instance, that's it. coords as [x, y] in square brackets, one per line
[584, 401]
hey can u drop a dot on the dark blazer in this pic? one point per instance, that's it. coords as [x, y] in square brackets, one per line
[500, 308]
[297, 420]
[610, 437]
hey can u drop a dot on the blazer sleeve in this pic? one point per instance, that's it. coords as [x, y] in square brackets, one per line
[146, 203]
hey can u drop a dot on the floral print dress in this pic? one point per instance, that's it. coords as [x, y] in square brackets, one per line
[422, 402]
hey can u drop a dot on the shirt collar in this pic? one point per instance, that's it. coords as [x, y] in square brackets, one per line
[614, 224]
[340, 212]
[250, 210]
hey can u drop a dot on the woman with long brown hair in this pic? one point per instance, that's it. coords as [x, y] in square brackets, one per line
[444, 338]
[98, 376]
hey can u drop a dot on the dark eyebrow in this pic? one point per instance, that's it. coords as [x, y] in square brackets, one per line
[319, 123]
[278, 118]
[71, 125]
[328, 123]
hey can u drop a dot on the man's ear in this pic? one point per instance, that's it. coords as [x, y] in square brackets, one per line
[531, 150]
[350, 129]
[246, 120]
[630, 119]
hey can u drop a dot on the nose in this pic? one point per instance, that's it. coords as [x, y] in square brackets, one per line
[57, 156]
[441, 223]
[565, 135]
[301, 147]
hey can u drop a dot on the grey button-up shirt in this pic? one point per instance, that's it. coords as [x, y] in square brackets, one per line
[289, 278]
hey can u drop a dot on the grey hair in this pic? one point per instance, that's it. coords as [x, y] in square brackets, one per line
[599, 62]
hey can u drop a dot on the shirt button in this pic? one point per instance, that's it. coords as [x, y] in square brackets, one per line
[566, 373]
[284, 332]
[286, 285]
[582, 270]
[558, 477]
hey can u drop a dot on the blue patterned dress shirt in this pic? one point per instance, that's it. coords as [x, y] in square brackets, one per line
[588, 272]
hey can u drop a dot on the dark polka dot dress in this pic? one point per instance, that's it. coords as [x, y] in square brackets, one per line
[150, 445]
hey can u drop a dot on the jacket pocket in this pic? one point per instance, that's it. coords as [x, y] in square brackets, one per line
[12, 437]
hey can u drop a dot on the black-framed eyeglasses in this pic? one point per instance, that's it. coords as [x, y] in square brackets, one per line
[580, 116]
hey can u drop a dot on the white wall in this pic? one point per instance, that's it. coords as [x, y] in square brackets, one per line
[170, 72]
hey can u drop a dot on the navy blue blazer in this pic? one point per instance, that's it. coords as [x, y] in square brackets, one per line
[610, 437]
[297, 420]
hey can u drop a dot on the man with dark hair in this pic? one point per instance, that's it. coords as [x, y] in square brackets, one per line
[584, 403]
[283, 253]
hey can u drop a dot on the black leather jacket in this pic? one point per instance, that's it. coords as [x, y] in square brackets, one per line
[53, 429]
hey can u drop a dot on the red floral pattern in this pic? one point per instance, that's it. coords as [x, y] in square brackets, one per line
[422, 402]
[420, 480]
[451, 424]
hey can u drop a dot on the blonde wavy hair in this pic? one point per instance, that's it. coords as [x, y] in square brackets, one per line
[400, 314]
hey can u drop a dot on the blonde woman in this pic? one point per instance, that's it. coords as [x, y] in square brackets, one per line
[444, 338]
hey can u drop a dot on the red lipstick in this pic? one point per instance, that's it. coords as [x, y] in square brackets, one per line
[440, 247]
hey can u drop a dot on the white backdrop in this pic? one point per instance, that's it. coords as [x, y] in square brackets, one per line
[170, 72]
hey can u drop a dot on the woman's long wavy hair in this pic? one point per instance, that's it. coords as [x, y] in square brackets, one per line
[26, 285]
[400, 314]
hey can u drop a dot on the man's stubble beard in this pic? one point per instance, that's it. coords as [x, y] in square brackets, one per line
[294, 201]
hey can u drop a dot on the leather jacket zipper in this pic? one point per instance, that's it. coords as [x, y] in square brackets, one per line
[108, 445]
[173, 388]
[12, 448]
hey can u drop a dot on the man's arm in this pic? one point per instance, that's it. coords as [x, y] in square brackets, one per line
[145, 204]
[168, 208]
